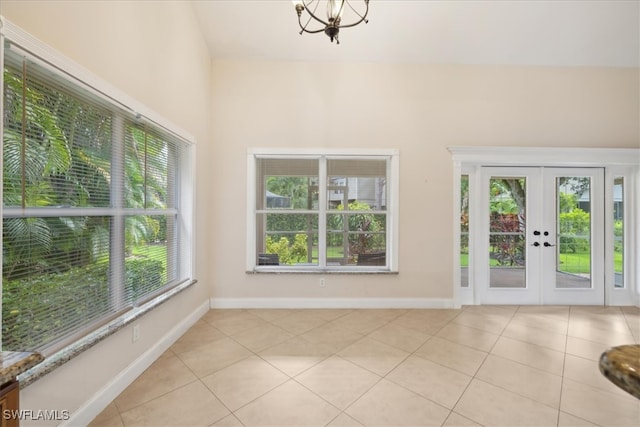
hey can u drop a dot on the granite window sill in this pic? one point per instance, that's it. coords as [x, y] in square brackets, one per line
[69, 352]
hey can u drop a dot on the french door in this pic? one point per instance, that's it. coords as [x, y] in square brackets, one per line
[541, 237]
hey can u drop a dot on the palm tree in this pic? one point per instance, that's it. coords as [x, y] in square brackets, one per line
[57, 152]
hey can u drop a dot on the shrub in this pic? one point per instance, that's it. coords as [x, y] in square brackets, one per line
[82, 292]
[507, 249]
[575, 227]
[143, 276]
[371, 224]
[288, 253]
[618, 231]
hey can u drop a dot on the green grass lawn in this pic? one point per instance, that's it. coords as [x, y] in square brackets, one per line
[464, 260]
[618, 262]
[574, 263]
[570, 262]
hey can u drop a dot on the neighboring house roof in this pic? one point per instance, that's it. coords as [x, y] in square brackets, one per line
[617, 194]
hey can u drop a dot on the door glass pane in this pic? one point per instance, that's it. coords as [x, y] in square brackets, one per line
[464, 231]
[507, 228]
[573, 266]
[618, 231]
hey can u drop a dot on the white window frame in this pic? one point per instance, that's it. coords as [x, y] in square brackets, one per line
[392, 211]
[57, 63]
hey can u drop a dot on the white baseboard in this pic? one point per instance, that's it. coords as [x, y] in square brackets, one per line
[464, 297]
[331, 303]
[96, 404]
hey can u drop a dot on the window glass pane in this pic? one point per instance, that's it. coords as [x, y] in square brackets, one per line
[149, 161]
[66, 144]
[293, 237]
[55, 278]
[507, 228]
[151, 251]
[618, 232]
[358, 183]
[287, 184]
[356, 238]
[288, 210]
[464, 231]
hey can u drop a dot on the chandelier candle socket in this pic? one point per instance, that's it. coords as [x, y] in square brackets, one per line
[336, 9]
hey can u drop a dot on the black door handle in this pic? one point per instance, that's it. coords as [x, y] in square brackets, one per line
[536, 244]
[547, 244]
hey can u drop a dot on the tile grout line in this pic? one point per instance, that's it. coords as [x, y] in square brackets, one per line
[335, 354]
[564, 363]
[387, 321]
[476, 372]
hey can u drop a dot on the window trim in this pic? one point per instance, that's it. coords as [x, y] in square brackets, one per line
[45, 56]
[317, 153]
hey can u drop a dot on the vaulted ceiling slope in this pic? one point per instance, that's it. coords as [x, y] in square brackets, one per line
[510, 32]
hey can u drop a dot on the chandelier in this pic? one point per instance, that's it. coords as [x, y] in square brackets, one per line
[336, 11]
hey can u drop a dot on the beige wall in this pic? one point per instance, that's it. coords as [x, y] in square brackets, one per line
[154, 52]
[418, 109]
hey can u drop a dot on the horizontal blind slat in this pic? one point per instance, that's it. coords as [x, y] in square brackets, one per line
[64, 272]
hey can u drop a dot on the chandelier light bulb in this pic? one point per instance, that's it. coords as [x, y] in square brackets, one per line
[334, 10]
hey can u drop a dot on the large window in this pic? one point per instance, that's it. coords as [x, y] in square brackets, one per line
[93, 210]
[322, 212]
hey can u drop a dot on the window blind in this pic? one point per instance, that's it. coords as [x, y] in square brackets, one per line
[91, 212]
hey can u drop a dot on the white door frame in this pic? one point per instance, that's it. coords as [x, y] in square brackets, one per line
[539, 269]
[530, 293]
[615, 161]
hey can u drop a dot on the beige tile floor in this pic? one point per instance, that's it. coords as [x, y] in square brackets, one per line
[477, 366]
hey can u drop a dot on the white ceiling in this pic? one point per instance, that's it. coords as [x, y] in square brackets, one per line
[534, 32]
